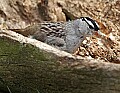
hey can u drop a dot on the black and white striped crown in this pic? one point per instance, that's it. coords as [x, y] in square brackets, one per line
[91, 23]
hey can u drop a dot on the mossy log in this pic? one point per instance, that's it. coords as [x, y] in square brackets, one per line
[25, 68]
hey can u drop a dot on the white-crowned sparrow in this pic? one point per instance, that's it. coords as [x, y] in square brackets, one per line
[66, 36]
[69, 35]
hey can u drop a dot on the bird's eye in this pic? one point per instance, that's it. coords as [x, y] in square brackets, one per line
[81, 36]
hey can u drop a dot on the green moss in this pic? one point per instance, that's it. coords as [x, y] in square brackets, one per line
[14, 51]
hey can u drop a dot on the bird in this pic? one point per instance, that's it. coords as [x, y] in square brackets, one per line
[67, 36]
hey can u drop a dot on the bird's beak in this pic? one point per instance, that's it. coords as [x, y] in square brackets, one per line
[98, 33]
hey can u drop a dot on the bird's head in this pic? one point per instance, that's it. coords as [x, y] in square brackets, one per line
[96, 26]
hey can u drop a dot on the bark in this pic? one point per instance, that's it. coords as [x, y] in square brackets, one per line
[24, 68]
